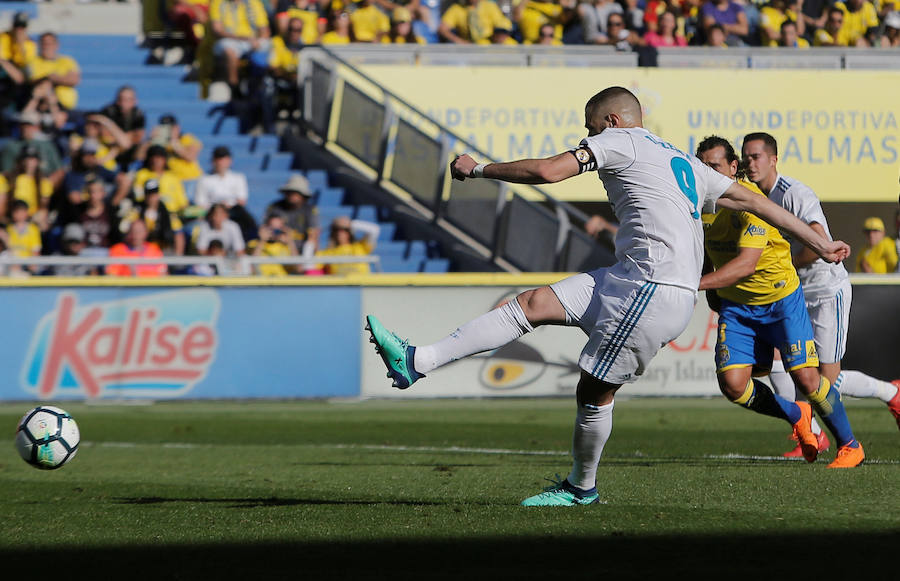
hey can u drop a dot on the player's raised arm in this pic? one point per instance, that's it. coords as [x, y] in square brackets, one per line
[524, 171]
[737, 197]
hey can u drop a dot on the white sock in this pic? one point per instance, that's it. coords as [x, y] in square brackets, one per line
[784, 386]
[489, 331]
[858, 384]
[782, 382]
[593, 425]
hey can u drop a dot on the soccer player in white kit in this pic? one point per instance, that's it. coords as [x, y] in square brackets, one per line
[629, 310]
[826, 287]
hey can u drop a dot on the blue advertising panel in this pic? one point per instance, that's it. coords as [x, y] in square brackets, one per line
[158, 343]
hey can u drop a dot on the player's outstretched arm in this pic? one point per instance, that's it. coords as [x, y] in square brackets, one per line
[737, 197]
[524, 171]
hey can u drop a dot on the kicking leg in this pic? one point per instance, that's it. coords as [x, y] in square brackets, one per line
[406, 363]
[783, 385]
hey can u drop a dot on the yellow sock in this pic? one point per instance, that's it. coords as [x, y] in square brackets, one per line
[820, 397]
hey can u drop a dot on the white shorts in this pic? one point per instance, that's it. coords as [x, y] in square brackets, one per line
[627, 321]
[830, 318]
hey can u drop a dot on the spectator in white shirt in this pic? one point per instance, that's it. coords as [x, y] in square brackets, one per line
[217, 226]
[228, 188]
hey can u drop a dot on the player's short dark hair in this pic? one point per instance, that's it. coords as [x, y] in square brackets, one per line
[610, 93]
[769, 141]
[714, 141]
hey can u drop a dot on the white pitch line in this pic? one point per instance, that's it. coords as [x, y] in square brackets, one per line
[460, 450]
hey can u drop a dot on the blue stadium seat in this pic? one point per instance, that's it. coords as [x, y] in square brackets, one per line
[436, 265]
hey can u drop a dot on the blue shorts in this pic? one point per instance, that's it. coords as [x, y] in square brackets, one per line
[749, 333]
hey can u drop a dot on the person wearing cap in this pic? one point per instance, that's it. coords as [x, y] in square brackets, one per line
[171, 188]
[163, 227]
[227, 187]
[472, 21]
[23, 236]
[880, 253]
[401, 28]
[28, 184]
[60, 70]
[86, 165]
[299, 213]
[15, 46]
[12, 75]
[136, 245]
[891, 36]
[183, 148]
[31, 135]
[72, 244]
[343, 241]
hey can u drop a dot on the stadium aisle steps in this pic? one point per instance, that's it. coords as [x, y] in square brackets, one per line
[109, 62]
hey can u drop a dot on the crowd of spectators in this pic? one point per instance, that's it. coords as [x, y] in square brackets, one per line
[111, 183]
[254, 45]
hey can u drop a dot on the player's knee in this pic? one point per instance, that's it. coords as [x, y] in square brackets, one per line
[807, 379]
[732, 390]
[539, 305]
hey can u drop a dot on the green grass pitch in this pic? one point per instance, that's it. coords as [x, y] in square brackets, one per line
[690, 488]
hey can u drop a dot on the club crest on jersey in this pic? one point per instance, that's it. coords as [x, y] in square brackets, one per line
[155, 345]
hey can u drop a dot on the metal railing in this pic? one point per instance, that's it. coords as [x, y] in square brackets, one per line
[238, 266]
[403, 150]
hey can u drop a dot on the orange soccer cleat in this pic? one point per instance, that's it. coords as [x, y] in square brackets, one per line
[849, 457]
[894, 404]
[809, 444]
[822, 444]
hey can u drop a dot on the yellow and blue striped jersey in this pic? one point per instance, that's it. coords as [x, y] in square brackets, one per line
[727, 231]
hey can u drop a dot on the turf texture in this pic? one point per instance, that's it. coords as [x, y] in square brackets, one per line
[690, 488]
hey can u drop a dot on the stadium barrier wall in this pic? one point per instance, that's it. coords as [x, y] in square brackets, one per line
[837, 130]
[182, 338]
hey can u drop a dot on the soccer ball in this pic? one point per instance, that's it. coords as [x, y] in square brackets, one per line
[47, 437]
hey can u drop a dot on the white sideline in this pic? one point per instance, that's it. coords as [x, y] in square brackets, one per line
[460, 450]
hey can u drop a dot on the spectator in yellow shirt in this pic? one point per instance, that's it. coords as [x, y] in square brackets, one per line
[242, 31]
[772, 16]
[880, 254]
[339, 30]
[275, 239]
[15, 46]
[61, 70]
[183, 149]
[533, 15]
[401, 28]
[369, 23]
[23, 238]
[305, 11]
[472, 21]
[171, 189]
[833, 33]
[860, 20]
[790, 36]
[343, 242]
[28, 185]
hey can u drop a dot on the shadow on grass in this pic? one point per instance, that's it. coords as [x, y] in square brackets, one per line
[271, 501]
[616, 556]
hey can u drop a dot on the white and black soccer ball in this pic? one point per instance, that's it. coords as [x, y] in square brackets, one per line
[47, 437]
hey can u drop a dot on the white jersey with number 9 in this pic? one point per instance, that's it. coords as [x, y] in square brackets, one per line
[657, 193]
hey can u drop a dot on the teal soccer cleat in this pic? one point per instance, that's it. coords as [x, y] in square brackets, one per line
[397, 355]
[562, 494]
